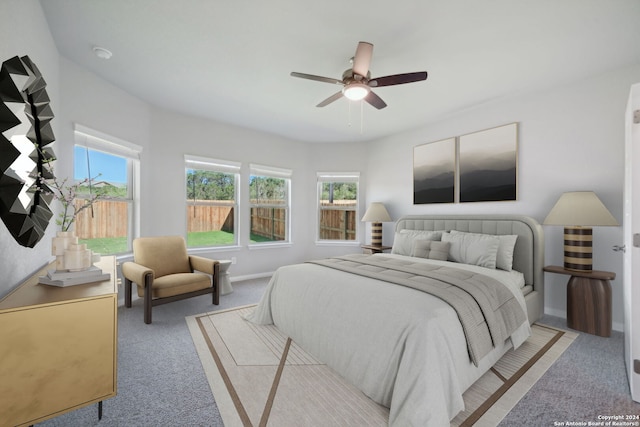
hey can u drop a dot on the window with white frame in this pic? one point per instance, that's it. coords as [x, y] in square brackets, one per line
[269, 200]
[338, 206]
[212, 202]
[109, 167]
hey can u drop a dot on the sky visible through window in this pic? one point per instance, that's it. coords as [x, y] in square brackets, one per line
[111, 168]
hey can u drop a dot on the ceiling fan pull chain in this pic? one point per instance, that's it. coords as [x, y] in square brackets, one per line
[361, 117]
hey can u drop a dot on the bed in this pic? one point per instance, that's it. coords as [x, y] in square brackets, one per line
[367, 317]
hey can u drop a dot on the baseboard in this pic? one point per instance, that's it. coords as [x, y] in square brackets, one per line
[251, 277]
[616, 326]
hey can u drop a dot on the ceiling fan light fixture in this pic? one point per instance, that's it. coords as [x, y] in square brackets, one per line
[356, 91]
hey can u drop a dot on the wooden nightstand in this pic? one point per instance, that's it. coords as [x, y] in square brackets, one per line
[588, 300]
[374, 249]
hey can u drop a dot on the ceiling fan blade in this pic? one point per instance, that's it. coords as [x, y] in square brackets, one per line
[362, 59]
[317, 78]
[398, 79]
[330, 99]
[375, 100]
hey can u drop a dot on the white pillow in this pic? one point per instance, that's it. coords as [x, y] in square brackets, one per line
[504, 258]
[403, 240]
[474, 249]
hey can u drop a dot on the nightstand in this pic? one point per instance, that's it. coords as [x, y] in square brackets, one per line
[374, 249]
[588, 300]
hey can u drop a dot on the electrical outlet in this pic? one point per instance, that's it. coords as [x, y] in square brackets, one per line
[233, 260]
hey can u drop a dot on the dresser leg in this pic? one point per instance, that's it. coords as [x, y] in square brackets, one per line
[100, 410]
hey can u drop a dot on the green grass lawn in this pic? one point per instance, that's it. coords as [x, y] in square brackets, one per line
[107, 245]
[117, 245]
[217, 238]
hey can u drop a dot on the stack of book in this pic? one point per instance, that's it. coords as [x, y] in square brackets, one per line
[71, 278]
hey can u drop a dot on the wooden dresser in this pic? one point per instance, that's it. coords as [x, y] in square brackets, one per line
[58, 347]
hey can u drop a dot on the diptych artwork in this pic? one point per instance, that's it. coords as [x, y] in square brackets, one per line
[478, 167]
[434, 172]
[488, 164]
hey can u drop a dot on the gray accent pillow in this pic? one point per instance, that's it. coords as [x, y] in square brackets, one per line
[403, 240]
[431, 249]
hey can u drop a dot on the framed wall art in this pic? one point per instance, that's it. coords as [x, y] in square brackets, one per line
[434, 172]
[488, 164]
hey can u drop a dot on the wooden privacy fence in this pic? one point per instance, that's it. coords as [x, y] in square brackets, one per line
[210, 218]
[270, 223]
[337, 225]
[110, 219]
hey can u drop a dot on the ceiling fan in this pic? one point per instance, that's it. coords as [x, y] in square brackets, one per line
[357, 80]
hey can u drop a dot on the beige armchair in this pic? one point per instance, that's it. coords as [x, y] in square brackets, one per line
[164, 272]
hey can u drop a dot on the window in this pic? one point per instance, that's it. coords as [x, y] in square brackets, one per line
[212, 202]
[270, 204]
[112, 167]
[337, 206]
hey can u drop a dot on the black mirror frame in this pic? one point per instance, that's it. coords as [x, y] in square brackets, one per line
[27, 225]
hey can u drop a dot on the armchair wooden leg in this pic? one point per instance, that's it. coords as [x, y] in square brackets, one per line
[216, 285]
[147, 299]
[127, 293]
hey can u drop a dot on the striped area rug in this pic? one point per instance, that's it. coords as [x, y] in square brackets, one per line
[259, 377]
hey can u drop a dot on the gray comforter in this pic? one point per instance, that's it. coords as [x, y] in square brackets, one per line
[404, 348]
[488, 310]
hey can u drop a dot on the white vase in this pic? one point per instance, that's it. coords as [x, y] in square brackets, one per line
[77, 257]
[59, 245]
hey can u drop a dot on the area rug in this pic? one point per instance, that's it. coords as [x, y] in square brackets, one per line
[259, 377]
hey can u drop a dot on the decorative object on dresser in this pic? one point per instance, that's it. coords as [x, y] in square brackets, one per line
[59, 347]
[588, 300]
[578, 211]
[73, 264]
[376, 215]
[25, 138]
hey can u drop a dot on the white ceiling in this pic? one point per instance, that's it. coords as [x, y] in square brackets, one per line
[229, 60]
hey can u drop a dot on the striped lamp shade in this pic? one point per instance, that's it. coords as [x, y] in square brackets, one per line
[578, 211]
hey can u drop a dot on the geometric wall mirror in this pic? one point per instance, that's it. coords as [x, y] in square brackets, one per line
[25, 136]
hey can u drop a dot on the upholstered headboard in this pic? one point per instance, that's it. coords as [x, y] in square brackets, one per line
[528, 255]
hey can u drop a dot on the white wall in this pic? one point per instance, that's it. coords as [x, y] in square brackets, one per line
[175, 135]
[570, 138]
[24, 31]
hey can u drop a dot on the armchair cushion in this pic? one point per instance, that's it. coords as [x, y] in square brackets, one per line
[176, 284]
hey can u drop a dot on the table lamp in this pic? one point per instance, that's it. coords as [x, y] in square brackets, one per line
[578, 211]
[376, 215]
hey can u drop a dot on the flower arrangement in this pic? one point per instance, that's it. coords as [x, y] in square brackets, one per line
[67, 193]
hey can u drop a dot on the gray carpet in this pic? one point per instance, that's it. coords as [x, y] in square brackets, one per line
[161, 381]
[587, 381]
